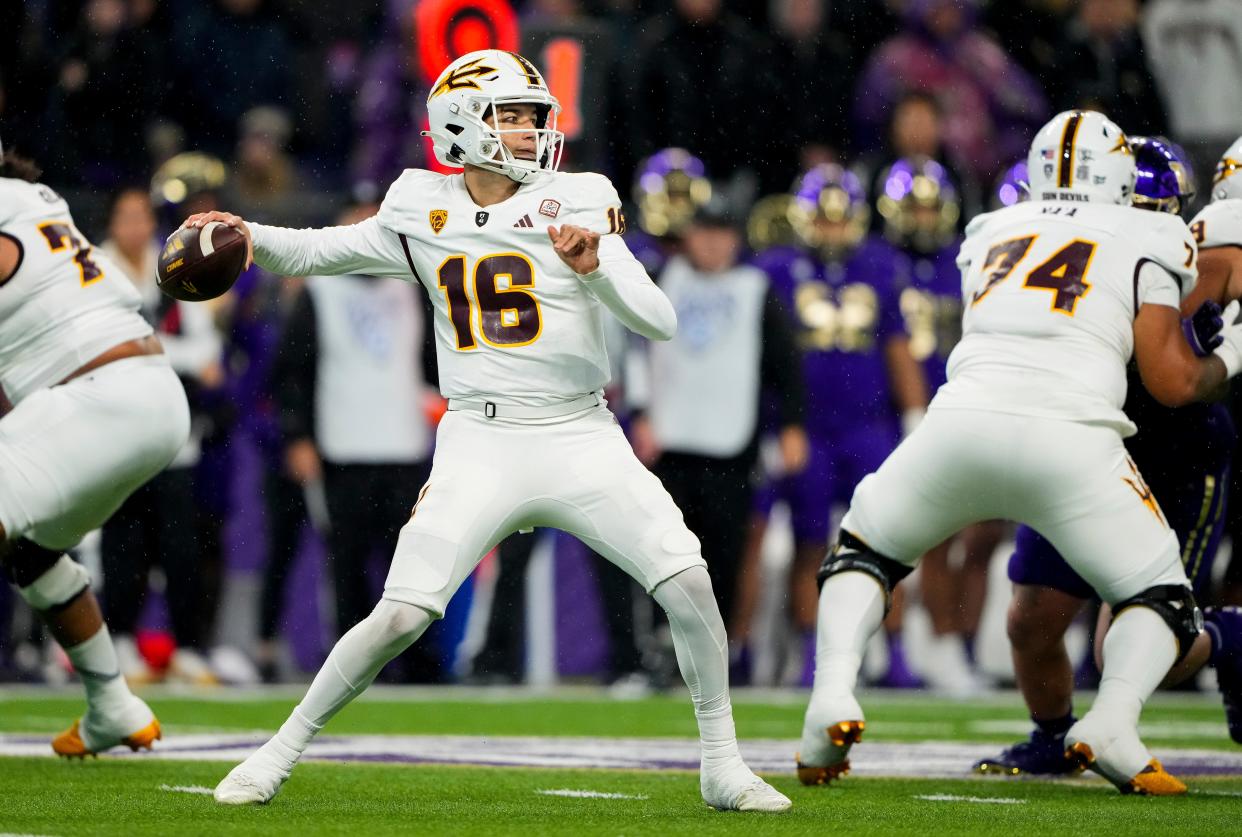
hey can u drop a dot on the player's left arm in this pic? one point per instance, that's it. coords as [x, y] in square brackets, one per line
[608, 269]
[10, 257]
[781, 371]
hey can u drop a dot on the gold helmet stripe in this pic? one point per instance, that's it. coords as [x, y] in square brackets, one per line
[1226, 168]
[1065, 166]
[532, 75]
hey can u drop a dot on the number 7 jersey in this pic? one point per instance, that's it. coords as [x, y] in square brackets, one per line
[66, 304]
[1050, 292]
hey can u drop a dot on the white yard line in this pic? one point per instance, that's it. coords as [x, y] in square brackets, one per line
[982, 800]
[199, 789]
[588, 794]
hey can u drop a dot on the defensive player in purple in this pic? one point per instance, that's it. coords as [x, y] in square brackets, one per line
[670, 185]
[860, 375]
[1188, 480]
[920, 207]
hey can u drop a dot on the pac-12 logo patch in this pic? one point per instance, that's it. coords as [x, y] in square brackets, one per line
[438, 218]
[550, 208]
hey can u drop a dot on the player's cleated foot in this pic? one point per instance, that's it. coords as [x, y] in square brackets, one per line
[257, 779]
[1225, 626]
[830, 729]
[135, 726]
[1043, 754]
[1118, 755]
[733, 787]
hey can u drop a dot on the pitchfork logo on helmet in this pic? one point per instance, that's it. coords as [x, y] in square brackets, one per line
[469, 91]
[1227, 182]
[1081, 155]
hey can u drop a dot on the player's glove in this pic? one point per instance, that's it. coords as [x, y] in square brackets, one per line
[1202, 328]
[1230, 348]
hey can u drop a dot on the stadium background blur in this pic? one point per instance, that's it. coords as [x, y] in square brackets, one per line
[296, 109]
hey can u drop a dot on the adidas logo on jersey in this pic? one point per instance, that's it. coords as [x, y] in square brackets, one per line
[524, 222]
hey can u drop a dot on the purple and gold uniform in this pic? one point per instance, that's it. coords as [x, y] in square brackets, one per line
[931, 305]
[844, 312]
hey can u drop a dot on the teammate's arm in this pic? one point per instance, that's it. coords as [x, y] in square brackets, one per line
[10, 257]
[608, 269]
[366, 247]
[1169, 369]
[906, 377]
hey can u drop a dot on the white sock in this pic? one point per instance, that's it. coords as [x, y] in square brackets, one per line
[96, 663]
[353, 664]
[1139, 650]
[851, 609]
[703, 657]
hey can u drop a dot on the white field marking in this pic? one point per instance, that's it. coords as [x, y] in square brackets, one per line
[984, 800]
[187, 789]
[923, 759]
[1215, 793]
[589, 794]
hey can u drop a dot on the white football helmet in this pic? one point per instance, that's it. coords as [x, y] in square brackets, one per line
[468, 91]
[1227, 182]
[1081, 155]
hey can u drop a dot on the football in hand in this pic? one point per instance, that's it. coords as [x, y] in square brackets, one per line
[201, 263]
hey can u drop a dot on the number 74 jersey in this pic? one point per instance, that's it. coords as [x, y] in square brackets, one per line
[1050, 292]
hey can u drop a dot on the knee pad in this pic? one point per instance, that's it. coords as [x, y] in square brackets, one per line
[1176, 606]
[851, 554]
[57, 586]
[399, 622]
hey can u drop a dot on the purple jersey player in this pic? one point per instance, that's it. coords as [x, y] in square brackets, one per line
[670, 185]
[857, 366]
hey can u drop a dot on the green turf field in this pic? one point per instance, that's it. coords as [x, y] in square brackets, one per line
[152, 795]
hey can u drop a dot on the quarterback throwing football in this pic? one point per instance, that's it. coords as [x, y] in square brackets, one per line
[520, 262]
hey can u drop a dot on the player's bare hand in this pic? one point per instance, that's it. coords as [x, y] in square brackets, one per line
[578, 247]
[795, 449]
[643, 440]
[235, 221]
[302, 462]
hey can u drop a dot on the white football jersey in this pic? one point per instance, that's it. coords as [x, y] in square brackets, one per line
[513, 323]
[1050, 292]
[66, 304]
[1219, 224]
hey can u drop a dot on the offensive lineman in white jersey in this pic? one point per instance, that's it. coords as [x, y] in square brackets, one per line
[91, 411]
[527, 440]
[1059, 292]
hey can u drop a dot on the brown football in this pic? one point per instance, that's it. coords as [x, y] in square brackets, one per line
[201, 263]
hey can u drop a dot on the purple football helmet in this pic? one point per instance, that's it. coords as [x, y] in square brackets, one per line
[919, 204]
[830, 211]
[1164, 180]
[670, 185]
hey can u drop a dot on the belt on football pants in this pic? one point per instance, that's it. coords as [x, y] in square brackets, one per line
[492, 410]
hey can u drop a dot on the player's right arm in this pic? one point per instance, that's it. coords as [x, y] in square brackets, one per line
[366, 247]
[1168, 367]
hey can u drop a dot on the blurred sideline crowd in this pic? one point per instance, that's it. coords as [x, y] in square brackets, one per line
[760, 145]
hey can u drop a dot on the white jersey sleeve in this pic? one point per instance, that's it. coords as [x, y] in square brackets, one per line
[367, 247]
[1165, 240]
[1219, 224]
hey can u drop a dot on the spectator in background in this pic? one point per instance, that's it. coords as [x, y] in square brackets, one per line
[991, 107]
[151, 526]
[1191, 48]
[1101, 65]
[241, 59]
[700, 430]
[699, 80]
[351, 391]
[263, 173]
[817, 76]
[389, 111]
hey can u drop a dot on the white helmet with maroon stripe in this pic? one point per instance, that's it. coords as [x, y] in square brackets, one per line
[1227, 179]
[469, 91]
[1081, 155]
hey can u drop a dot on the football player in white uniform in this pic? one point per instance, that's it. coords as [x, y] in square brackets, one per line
[91, 411]
[1058, 292]
[520, 262]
